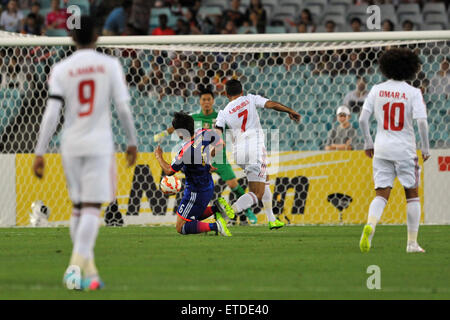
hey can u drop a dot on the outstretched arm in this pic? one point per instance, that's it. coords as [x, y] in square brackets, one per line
[164, 165]
[157, 137]
[281, 108]
[423, 132]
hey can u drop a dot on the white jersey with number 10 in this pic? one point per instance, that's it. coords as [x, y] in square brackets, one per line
[87, 81]
[395, 104]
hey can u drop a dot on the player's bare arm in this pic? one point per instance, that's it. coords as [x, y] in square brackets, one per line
[131, 155]
[164, 165]
[281, 108]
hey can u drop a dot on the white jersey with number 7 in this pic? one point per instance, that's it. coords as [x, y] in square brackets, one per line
[87, 81]
[241, 116]
[395, 104]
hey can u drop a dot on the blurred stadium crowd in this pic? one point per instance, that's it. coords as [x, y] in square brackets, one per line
[180, 17]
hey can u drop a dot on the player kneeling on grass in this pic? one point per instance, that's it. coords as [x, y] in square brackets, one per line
[395, 104]
[85, 82]
[194, 160]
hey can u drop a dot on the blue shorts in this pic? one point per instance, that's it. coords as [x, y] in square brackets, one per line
[193, 204]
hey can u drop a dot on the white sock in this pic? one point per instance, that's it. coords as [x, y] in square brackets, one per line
[413, 218]
[74, 221]
[267, 203]
[375, 211]
[244, 202]
[86, 236]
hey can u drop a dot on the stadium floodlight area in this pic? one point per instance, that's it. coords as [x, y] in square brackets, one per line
[311, 73]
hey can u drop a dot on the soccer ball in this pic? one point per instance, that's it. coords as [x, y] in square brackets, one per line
[39, 214]
[170, 185]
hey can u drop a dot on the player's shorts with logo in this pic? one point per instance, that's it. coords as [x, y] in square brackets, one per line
[91, 178]
[385, 171]
[193, 204]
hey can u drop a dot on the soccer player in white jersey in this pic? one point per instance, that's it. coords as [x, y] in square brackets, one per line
[85, 82]
[395, 104]
[241, 116]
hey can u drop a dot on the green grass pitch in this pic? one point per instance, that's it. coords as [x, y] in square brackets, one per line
[292, 263]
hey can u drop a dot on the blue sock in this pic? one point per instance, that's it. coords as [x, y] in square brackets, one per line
[193, 227]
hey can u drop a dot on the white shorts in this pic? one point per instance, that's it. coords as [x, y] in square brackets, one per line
[385, 171]
[254, 165]
[91, 178]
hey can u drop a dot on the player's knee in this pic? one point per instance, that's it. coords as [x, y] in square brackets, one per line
[259, 194]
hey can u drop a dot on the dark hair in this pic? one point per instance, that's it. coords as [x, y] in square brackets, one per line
[407, 21]
[127, 4]
[356, 19]
[233, 87]
[206, 91]
[330, 21]
[86, 34]
[399, 64]
[391, 24]
[182, 120]
[36, 4]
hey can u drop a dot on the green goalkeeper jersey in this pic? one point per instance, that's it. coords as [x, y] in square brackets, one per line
[207, 122]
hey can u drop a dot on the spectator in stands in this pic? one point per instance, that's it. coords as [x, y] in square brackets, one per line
[13, 76]
[182, 27]
[30, 26]
[233, 14]
[191, 18]
[257, 15]
[116, 21]
[387, 25]
[229, 28]
[330, 26]
[344, 136]
[408, 25]
[57, 18]
[356, 24]
[40, 20]
[302, 28]
[355, 99]
[305, 18]
[440, 83]
[163, 29]
[12, 18]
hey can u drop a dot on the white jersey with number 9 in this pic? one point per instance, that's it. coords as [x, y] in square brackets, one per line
[86, 81]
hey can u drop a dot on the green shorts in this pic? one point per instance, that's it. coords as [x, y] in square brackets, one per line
[225, 171]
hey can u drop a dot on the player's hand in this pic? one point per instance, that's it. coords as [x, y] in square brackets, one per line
[369, 153]
[295, 116]
[131, 155]
[158, 152]
[425, 156]
[38, 166]
[158, 137]
[212, 169]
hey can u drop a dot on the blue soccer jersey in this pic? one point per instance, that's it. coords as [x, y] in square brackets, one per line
[195, 161]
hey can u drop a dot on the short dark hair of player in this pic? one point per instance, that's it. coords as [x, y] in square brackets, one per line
[206, 91]
[182, 120]
[86, 34]
[233, 87]
[399, 64]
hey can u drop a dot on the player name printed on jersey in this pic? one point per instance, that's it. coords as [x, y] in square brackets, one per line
[392, 94]
[86, 70]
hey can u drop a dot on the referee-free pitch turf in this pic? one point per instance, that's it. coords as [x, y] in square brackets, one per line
[295, 262]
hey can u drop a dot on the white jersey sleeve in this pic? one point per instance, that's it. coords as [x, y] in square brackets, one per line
[370, 100]
[119, 86]
[54, 83]
[258, 100]
[220, 120]
[418, 106]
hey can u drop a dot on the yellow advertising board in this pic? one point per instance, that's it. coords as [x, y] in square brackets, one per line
[316, 187]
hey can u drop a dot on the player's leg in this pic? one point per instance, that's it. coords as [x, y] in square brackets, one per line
[72, 171]
[274, 223]
[98, 185]
[384, 175]
[408, 173]
[192, 209]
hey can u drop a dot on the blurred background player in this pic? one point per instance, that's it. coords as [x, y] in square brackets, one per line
[206, 119]
[241, 116]
[194, 159]
[395, 104]
[85, 82]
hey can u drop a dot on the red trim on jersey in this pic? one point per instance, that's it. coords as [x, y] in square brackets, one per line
[185, 219]
[172, 169]
[186, 146]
